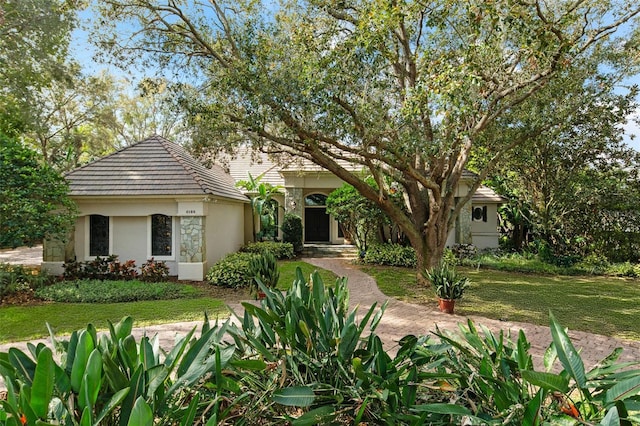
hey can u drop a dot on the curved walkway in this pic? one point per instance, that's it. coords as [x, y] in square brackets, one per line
[401, 318]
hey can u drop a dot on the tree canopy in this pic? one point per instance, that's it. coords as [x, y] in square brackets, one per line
[404, 89]
[33, 198]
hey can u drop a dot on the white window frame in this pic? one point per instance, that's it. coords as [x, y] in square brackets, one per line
[173, 238]
[87, 239]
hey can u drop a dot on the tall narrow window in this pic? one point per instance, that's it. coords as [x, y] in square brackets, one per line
[98, 235]
[161, 235]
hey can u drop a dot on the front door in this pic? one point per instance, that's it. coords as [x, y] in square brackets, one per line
[316, 224]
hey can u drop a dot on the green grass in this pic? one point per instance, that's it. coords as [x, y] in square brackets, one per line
[28, 322]
[288, 273]
[602, 305]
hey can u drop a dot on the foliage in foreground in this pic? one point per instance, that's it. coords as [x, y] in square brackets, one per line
[302, 357]
[97, 291]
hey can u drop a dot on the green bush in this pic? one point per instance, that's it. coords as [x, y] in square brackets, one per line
[265, 268]
[391, 255]
[14, 278]
[233, 270]
[98, 291]
[279, 250]
[292, 231]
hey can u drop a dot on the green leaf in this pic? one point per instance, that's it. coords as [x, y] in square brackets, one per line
[190, 414]
[24, 365]
[567, 353]
[531, 415]
[298, 396]
[112, 404]
[91, 381]
[623, 390]
[83, 350]
[141, 415]
[442, 408]
[547, 381]
[317, 416]
[611, 419]
[43, 381]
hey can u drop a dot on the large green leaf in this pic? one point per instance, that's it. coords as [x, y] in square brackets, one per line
[83, 350]
[189, 415]
[43, 381]
[611, 419]
[141, 415]
[567, 353]
[91, 381]
[623, 390]
[547, 381]
[531, 415]
[25, 367]
[111, 405]
[298, 396]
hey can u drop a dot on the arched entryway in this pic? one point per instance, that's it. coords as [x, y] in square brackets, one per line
[316, 219]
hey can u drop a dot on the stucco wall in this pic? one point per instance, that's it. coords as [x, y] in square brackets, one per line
[225, 226]
[485, 234]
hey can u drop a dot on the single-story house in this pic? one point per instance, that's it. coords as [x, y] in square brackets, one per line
[154, 200]
[307, 185]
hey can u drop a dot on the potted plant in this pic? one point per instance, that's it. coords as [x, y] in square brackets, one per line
[264, 268]
[449, 286]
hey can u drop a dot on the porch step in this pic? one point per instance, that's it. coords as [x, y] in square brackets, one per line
[346, 251]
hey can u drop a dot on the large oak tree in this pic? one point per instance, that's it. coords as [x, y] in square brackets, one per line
[404, 89]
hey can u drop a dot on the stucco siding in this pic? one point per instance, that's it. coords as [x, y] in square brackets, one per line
[225, 225]
[485, 234]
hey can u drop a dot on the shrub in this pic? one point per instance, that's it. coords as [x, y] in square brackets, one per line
[154, 271]
[98, 291]
[464, 251]
[279, 250]
[391, 255]
[265, 268]
[292, 231]
[233, 270]
[100, 268]
[446, 281]
[14, 278]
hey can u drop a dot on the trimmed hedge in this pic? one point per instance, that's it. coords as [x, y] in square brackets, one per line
[391, 255]
[233, 270]
[279, 250]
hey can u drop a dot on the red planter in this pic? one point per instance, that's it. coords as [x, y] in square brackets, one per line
[446, 305]
[261, 295]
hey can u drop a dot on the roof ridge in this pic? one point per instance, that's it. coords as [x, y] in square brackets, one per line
[170, 147]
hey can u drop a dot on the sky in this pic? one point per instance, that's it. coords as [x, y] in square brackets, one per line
[84, 52]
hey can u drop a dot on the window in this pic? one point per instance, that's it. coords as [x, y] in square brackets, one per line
[161, 235]
[315, 200]
[98, 235]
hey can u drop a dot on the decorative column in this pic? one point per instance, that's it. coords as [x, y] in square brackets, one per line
[193, 250]
[55, 252]
[294, 201]
[463, 225]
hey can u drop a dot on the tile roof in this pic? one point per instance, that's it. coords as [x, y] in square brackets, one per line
[152, 167]
[484, 194]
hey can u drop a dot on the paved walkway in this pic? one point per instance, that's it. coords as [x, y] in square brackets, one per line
[402, 318]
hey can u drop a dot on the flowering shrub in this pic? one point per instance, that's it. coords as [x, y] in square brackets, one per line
[154, 271]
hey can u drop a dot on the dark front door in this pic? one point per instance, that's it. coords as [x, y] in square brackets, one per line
[316, 224]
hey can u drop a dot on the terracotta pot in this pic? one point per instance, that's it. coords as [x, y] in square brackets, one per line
[261, 295]
[446, 305]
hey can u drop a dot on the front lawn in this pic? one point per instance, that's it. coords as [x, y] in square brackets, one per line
[24, 322]
[602, 305]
